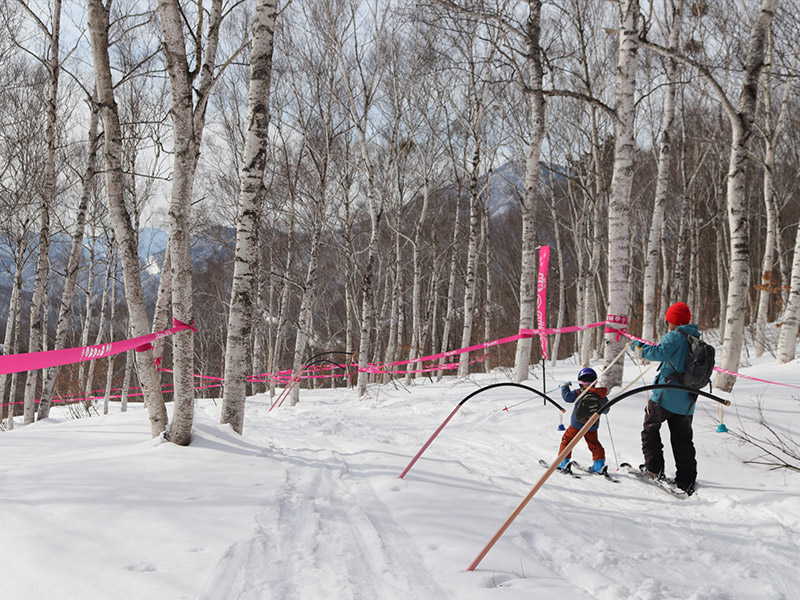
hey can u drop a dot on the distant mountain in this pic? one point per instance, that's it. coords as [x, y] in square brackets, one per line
[152, 242]
[508, 184]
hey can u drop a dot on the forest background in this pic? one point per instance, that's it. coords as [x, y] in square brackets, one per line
[374, 178]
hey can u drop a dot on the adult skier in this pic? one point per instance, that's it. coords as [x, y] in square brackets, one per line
[676, 407]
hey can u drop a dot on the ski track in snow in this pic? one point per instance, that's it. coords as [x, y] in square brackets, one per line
[307, 505]
[640, 543]
[332, 553]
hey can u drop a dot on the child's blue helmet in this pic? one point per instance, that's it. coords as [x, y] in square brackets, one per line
[587, 375]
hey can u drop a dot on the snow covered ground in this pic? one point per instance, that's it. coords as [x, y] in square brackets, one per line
[308, 504]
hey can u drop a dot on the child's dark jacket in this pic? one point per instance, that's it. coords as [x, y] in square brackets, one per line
[568, 395]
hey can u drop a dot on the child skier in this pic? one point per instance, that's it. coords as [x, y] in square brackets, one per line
[581, 413]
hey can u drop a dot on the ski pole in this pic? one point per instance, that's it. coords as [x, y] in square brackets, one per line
[611, 439]
[638, 359]
[606, 368]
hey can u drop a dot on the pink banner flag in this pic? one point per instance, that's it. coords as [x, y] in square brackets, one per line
[17, 363]
[541, 288]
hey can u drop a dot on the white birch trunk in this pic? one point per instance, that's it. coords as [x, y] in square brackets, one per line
[527, 280]
[594, 229]
[244, 292]
[772, 131]
[15, 347]
[393, 294]
[163, 303]
[9, 346]
[71, 275]
[768, 258]
[367, 297]
[562, 288]
[120, 218]
[87, 318]
[39, 300]
[652, 256]
[742, 126]
[470, 279]
[101, 324]
[722, 288]
[111, 317]
[126, 381]
[621, 186]
[305, 320]
[261, 316]
[417, 325]
[187, 126]
[787, 343]
[451, 286]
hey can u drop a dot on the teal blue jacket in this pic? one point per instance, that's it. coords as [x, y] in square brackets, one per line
[671, 352]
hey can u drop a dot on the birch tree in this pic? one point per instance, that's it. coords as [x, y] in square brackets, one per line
[73, 263]
[533, 83]
[251, 196]
[772, 129]
[188, 121]
[423, 121]
[649, 304]
[52, 62]
[124, 233]
[741, 120]
[361, 81]
[621, 185]
[787, 343]
[741, 117]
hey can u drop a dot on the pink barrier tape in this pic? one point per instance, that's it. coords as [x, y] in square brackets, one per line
[718, 369]
[554, 330]
[491, 344]
[721, 370]
[32, 361]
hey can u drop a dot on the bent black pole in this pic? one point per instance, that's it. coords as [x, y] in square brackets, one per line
[519, 385]
[663, 386]
[322, 361]
[312, 358]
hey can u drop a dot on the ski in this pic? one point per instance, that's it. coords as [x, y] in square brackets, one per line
[663, 484]
[566, 471]
[586, 470]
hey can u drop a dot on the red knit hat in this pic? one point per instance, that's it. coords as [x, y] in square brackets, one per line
[679, 314]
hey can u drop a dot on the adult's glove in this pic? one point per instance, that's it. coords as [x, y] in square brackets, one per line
[636, 344]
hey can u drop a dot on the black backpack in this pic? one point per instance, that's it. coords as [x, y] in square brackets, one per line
[588, 404]
[699, 365]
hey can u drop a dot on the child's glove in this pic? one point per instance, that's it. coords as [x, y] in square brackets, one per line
[566, 384]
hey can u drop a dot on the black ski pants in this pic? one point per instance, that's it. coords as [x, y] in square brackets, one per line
[680, 433]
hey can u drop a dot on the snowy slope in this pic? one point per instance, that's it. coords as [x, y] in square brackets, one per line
[308, 504]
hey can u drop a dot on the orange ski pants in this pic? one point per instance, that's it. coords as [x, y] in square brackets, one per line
[594, 444]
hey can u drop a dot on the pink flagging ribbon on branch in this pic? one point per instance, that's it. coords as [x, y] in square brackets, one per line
[32, 361]
[621, 323]
[541, 291]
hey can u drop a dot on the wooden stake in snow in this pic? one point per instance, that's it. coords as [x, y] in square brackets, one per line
[550, 470]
